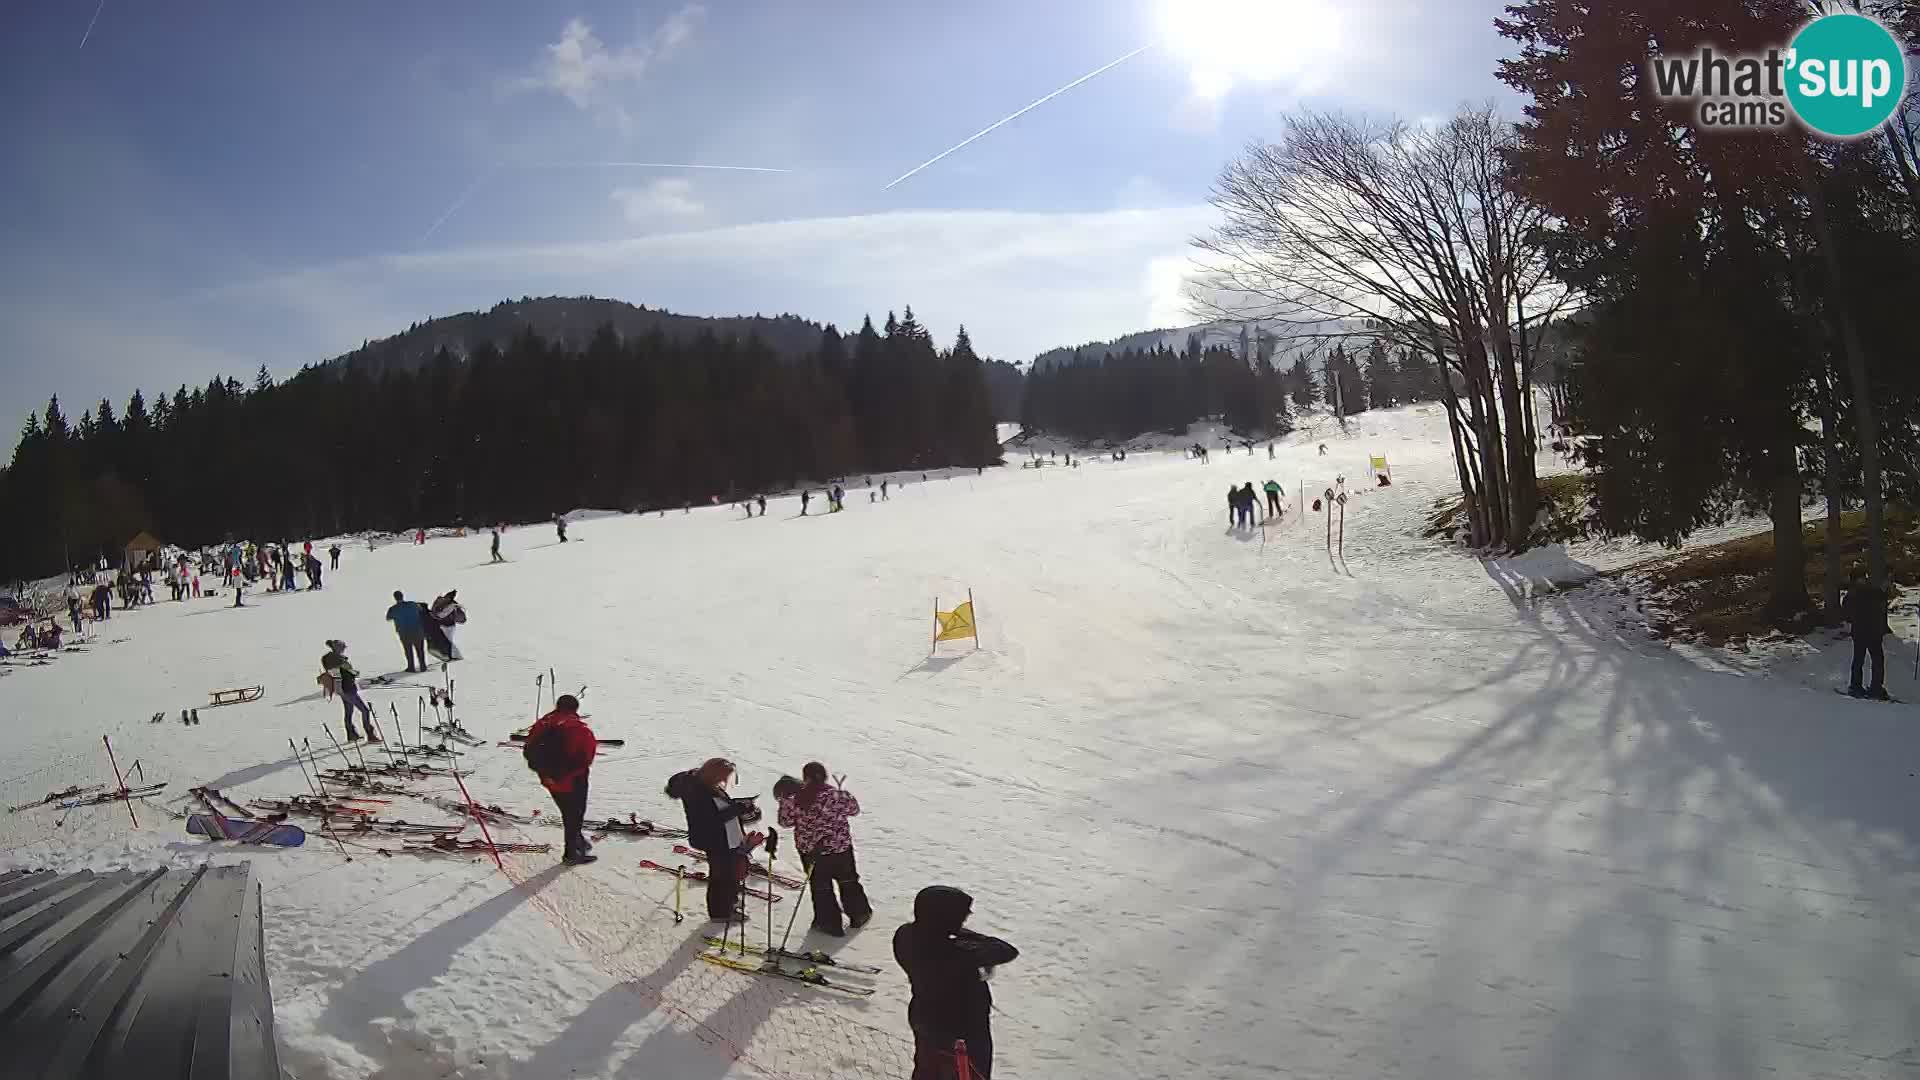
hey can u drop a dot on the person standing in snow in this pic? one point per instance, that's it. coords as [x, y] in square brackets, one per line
[839, 498]
[762, 500]
[560, 749]
[947, 965]
[495, 554]
[333, 555]
[1233, 507]
[313, 571]
[1865, 608]
[1273, 499]
[560, 526]
[817, 813]
[443, 615]
[805, 498]
[73, 608]
[714, 826]
[409, 622]
[346, 683]
[884, 497]
[1249, 503]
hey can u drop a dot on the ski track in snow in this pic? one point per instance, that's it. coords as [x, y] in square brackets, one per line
[1248, 810]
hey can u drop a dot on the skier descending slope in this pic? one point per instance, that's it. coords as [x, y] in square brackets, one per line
[560, 749]
[714, 821]
[947, 965]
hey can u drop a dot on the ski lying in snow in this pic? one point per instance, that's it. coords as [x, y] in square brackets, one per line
[432, 751]
[243, 831]
[397, 828]
[489, 813]
[519, 737]
[56, 796]
[699, 877]
[111, 796]
[753, 868]
[814, 957]
[363, 784]
[213, 800]
[807, 976]
[632, 826]
[411, 772]
[457, 733]
[312, 807]
[451, 846]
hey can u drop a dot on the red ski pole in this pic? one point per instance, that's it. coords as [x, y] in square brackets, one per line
[474, 812]
[124, 797]
[962, 1063]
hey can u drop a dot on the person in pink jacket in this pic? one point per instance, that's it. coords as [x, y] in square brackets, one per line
[817, 814]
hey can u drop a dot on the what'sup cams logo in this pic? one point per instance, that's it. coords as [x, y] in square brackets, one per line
[1843, 76]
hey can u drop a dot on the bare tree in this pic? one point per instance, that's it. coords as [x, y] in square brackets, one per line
[1408, 232]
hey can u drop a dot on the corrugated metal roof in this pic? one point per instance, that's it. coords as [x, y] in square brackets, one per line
[134, 974]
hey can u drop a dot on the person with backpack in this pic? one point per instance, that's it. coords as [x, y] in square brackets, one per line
[1865, 608]
[947, 966]
[560, 749]
[409, 621]
[715, 823]
[817, 815]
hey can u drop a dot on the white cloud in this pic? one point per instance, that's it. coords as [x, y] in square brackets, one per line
[581, 68]
[666, 199]
[1022, 282]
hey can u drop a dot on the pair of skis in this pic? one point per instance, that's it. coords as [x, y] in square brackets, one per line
[447, 845]
[632, 826]
[771, 967]
[111, 796]
[495, 814]
[700, 877]
[55, 796]
[812, 956]
[245, 829]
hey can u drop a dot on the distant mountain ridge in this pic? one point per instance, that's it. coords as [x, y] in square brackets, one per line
[571, 320]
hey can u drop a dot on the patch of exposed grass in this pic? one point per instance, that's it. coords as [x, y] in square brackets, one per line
[1718, 594]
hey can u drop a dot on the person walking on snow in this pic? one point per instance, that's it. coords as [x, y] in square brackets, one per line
[1273, 499]
[817, 814]
[714, 826]
[409, 621]
[560, 526]
[333, 554]
[496, 546]
[560, 749]
[1865, 607]
[947, 966]
[884, 497]
[346, 683]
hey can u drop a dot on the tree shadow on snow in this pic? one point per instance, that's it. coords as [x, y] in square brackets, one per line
[1622, 825]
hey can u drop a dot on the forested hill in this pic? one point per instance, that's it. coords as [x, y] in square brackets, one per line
[570, 321]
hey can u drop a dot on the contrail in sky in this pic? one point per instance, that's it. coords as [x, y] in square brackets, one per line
[491, 169]
[457, 203]
[90, 22]
[1007, 120]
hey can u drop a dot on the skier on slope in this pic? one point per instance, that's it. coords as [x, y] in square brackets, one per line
[495, 554]
[805, 498]
[884, 497]
[817, 813]
[1273, 499]
[1865, 607]
[714, 821]
[839, 498]
[947, 966]
[409, 622]
[346, 683]
[762, 500]
[333, 554]
[560, 526]
[1249, 503]
[560, 749]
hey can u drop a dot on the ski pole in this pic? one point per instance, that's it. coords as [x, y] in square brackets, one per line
[119, 780]
[304, 775]
[342, 751]
[475, 812]
[773, 846]
[539, 681]
[806, 883]
[679, 875]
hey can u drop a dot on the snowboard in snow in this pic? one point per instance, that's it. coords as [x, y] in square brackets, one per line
[243, 831]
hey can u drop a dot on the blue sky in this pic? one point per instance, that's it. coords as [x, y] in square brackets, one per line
[205, 187]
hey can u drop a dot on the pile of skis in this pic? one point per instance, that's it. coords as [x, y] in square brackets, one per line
[447, 845]
[754, 868]
[246, 828]
[699, 877]
[632, 825]
[492, 814]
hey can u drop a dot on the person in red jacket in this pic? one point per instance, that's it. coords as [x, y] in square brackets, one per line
[560, 748]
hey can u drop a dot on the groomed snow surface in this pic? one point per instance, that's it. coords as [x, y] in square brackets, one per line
[1247, 811]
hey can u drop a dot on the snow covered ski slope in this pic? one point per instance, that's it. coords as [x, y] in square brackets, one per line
[1246, 810]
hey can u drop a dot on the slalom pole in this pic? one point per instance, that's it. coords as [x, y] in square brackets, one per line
[976, 620]
[474, 812]
[124, 797]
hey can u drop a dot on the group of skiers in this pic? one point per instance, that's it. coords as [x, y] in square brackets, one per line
[946, 964]
[423, 629]
[1243, 504]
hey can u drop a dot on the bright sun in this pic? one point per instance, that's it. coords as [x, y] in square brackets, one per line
[1226, 41]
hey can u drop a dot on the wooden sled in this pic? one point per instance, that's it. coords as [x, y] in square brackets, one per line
[237, 696]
